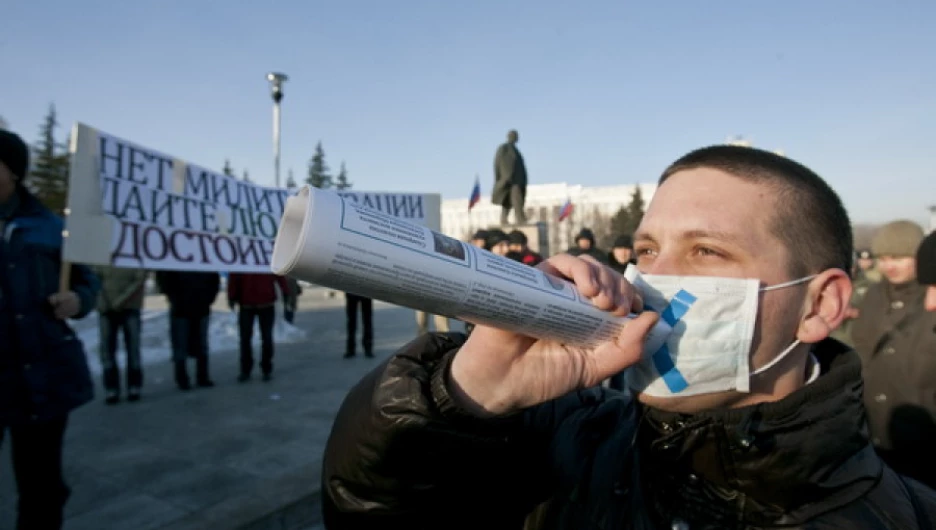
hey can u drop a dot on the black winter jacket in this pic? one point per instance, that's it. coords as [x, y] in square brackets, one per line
[190, 293]
[404, 454]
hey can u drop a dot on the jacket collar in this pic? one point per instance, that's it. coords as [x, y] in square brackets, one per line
[772, 463]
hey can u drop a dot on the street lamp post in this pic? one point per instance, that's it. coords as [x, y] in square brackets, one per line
[276, 80]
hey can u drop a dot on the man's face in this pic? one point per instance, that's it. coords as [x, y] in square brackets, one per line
[865, 264]
[516, 247]
[501, 249]
[7, 183]
[583, 243]
[621, 254]
[897, 269]
[704, 222]
[478, 243]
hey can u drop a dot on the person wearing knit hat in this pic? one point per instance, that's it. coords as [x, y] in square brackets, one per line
[586, 245]
[622, 253]
[43, 368]
[497, 242]
[926, 270]
[520, 250]
[479, 238]
[898, 239]
[894, 336]
[14, 154]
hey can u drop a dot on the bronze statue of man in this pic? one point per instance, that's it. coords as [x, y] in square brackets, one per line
[510, 180]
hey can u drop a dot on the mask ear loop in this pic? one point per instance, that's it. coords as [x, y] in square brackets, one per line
[790, 283]
[776, 360]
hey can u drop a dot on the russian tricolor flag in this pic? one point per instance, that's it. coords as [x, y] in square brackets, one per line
[566, 210]
[475, 194]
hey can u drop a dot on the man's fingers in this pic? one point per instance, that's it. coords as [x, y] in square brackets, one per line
[627, 349]
[577, 270]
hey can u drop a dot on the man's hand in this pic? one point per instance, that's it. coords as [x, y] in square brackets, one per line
[65, 305]
[500, 371]
[851, 312]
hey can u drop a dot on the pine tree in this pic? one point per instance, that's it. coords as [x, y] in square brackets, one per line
[228, 170]
[318, 170]
[342, 183]
[48, 179]
[290, 181]
[636, 208]
[627, 219]
[247, 176]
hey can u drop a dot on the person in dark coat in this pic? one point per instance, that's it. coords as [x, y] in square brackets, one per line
[503, 431]
[190, 295]
[585, 245]
[520, 251]
[498, 242]
[926, 270]
[43, 370]
[254, 298]
[352, 302]
[622, 253]
[291, 299]
[896, 338]
[510, 180]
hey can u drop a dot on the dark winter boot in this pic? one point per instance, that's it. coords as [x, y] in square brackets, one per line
[181, 376]
[201, 370]
[134, 384]
[111, 386]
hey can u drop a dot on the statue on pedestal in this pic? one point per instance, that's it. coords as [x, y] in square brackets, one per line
[510, 180]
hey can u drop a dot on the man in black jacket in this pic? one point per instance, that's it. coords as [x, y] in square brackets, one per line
[503, 431]
[190, 295]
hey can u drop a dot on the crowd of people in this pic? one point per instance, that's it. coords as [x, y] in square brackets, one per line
[821, 416]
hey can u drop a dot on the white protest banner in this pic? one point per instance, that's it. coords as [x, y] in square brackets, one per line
[131, 206]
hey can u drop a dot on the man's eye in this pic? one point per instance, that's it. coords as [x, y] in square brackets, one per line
[705, 251]
[645, 251]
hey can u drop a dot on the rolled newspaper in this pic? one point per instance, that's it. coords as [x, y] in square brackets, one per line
[330, 241]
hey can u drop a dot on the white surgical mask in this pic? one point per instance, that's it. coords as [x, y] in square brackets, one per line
[711, 327]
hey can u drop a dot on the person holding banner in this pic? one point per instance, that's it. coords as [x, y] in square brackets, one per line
[43, 371]
[119, 306]
[190, 295]
[253, 296]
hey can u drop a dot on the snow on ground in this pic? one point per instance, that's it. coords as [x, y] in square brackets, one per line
[155, 347]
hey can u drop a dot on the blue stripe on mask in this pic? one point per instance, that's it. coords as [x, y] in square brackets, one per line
[677, 307]
[662, 360]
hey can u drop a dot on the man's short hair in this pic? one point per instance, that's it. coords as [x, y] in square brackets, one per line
[809, 218]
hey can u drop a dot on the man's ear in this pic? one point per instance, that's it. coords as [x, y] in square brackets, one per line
[826, 305]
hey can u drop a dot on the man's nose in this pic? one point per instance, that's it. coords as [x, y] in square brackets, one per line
[930, 301]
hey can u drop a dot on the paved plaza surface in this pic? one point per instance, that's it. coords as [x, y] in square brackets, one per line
[234, 456]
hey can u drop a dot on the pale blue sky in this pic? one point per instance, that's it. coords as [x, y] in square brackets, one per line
[416, 95]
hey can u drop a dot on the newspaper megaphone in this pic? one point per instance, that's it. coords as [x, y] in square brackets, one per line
[328, 240]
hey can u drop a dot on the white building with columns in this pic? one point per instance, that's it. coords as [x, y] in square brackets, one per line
[593, 207]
